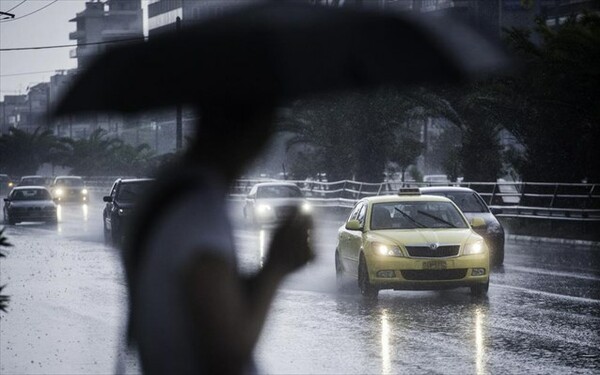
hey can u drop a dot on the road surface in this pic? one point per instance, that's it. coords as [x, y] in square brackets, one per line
[542, 314]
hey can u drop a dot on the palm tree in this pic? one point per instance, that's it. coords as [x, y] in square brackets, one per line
[23, 153]
[92, 155]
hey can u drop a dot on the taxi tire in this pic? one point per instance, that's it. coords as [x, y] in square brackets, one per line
[339, 268]
[366, 288]
[480, 290]
[499, 257]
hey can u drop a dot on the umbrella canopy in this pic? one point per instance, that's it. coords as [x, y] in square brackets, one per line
[265, 54]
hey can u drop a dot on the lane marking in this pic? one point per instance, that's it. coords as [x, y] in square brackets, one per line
[552, 273]
[548, 294]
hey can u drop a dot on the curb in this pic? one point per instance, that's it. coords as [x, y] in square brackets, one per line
[561, 241]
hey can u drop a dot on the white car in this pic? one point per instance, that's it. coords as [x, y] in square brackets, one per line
[271, 202]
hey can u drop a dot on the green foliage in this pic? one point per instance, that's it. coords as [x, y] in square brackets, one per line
[354, 135]
[101, 155]
[22, 153]
[553, 105]
[480, 154]
[415, 174]
[405, 148]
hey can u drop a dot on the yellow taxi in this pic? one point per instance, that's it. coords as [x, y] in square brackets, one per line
[411, 241]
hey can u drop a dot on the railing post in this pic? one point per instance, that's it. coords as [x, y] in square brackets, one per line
[554, 196]
[491, 202]
[359, 190]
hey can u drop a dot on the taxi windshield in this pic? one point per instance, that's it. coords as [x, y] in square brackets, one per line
[411, 215]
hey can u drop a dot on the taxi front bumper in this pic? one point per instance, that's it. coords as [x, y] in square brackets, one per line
[404, 273]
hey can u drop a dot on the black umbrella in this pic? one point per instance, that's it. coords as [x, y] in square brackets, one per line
[261, 55]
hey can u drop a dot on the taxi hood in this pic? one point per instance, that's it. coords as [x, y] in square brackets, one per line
[423, 236]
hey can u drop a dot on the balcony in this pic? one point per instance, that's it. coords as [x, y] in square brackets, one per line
[76, 35]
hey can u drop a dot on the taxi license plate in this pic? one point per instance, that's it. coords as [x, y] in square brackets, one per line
[435, 265]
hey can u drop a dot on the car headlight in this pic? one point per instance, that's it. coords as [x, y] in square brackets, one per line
[84, 191]
[263, 209]
[474, 248]
[386, 250]
[59, 192]
[306, 207]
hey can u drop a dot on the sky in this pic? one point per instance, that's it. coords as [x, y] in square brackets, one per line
[46, 27]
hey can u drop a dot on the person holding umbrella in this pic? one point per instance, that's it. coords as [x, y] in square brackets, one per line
[191, 312]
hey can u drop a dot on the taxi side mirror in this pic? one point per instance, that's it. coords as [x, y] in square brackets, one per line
[107, 199]
[353, 225]
[477, 222]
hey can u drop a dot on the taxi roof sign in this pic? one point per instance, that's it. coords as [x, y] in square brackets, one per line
[409, 191]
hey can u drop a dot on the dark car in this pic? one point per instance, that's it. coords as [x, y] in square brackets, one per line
[119, 205]
[29, 203]
[69, 189]
[35, 181]
[471, 204]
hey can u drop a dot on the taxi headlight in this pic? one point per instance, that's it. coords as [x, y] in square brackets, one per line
[59, 192]
[84, 191]
[386, 250]
[306, 207]
[474, 248]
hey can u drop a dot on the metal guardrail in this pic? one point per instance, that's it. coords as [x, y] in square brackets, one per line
[533, 200]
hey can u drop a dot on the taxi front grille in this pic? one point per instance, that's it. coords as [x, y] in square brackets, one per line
[422, 275]
[428, 252]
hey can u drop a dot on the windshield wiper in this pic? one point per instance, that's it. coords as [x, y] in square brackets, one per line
[410, 217]
[437, 218]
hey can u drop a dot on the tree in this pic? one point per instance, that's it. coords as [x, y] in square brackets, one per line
[406, 148]
[553, 105]
[354, 135]
[101, 155]
[479, 155]
[22, 153]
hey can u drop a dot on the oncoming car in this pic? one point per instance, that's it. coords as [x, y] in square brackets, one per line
[472, 205]
[270, 202]
[69, 189]
[29, 203]
[413, 242]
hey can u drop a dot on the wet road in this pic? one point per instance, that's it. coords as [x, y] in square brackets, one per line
[542, 314]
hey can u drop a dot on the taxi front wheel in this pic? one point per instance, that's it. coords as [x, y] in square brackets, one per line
[480, 290]
[366, 288]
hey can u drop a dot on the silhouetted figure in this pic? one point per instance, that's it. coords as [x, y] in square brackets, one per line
[191, 311]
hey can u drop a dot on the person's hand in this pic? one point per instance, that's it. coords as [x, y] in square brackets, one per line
[291, 247]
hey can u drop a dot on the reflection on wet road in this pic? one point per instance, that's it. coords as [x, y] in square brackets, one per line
[542, 314]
